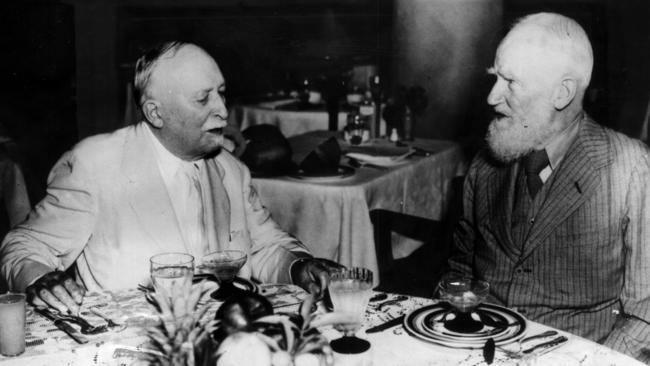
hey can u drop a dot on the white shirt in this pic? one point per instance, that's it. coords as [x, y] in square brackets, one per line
[182, 182]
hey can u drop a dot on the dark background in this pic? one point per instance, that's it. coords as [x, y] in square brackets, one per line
[48, 56]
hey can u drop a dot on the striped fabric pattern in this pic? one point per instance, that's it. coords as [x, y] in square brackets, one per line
[584, 265]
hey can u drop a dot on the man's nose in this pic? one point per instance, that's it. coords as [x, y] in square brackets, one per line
[496, 94]
[219, 108]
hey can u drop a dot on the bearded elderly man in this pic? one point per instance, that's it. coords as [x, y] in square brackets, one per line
[163, 185]
[554, 211]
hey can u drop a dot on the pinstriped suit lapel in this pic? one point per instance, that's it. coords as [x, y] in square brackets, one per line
[576, 180]
[501, 184]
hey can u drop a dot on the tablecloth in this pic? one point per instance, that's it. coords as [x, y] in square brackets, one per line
[333, 219]
[392, 347]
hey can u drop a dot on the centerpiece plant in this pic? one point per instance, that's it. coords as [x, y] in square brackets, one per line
[245, 331]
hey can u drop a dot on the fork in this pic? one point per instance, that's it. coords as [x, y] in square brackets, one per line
[109, 321]
[86, 328]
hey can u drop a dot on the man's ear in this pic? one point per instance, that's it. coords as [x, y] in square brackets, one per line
[565, 93]
[151, 111]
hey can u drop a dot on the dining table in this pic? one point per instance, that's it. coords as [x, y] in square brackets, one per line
[331, 214]
[290, 116]
[397, 345]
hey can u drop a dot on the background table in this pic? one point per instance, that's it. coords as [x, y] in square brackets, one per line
[50, 346]
[333, 219]
[289, 122]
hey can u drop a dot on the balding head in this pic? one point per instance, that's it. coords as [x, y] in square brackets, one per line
[562, 41]
[180, 89]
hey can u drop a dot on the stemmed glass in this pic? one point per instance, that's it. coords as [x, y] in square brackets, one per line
[464, 294]
[171, 272]
[350, 290]
[224, 265]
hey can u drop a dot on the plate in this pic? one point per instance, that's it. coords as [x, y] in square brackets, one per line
[341, 172]
[426, 324]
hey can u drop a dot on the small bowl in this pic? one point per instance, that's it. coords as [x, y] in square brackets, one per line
[463, 293]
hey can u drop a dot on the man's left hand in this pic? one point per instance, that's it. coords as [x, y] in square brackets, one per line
[313, 274]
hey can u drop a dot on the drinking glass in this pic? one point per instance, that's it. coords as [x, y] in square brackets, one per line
[350, 290]
[464, 294]
[12, 324]
[171, 273]
[224, 265]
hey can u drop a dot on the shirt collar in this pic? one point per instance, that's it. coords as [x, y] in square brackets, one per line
[169, 163]
[558, 147]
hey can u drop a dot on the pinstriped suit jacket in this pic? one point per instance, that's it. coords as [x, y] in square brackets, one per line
[587, 255]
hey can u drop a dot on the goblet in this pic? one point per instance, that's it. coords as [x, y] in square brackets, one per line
[464, 294]
[350, 290]
[224, 265]
[171, 272]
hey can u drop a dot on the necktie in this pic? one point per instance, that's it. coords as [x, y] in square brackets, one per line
[534, 163]
[194, 219]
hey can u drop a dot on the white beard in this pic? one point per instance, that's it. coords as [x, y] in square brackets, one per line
[510, 139]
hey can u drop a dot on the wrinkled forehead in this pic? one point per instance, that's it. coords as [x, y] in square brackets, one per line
[528, 49]
[188, 70]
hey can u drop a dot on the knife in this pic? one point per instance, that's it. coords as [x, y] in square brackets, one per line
[62, 325]
[385, 325]
[547, 345]
[71, 331]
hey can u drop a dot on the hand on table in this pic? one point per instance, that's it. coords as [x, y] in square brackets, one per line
[56, 290]
[313, 274]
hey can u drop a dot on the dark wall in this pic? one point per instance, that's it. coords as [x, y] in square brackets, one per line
[263, 48]
[37, 103]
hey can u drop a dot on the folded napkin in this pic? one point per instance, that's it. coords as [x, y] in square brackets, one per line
[387, 161]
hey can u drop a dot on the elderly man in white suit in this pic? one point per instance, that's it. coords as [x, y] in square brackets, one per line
[163, 185]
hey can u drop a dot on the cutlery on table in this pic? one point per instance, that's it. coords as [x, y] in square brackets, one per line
[387, 324]
[63, 325]
[86, 327]
[547, 346]
[548, 333]
[396, 300]
[538, 349]
[109, 321]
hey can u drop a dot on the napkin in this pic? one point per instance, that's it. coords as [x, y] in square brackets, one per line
[387, 161]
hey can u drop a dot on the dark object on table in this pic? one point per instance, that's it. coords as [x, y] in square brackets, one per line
[324, 159]
[267, 153]
[488, 351]
[238, 312]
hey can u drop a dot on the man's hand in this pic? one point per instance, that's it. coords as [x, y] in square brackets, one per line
[57, 290]
[313, 274]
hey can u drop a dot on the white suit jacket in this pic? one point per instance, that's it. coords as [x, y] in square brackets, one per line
[108, 210]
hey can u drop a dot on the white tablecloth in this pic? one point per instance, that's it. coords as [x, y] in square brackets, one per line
[333, 218]
[50, 346]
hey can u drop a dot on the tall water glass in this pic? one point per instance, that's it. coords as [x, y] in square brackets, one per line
[350, 290]
[172, 273]
[12, 324]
